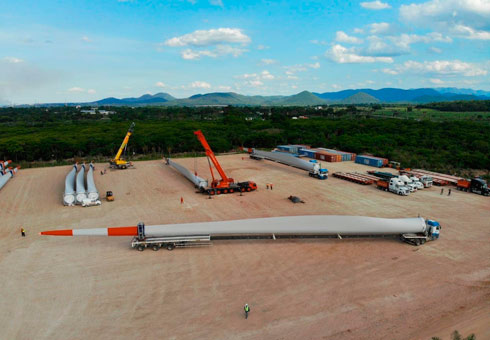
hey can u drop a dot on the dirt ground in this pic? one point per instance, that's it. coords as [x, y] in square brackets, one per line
[368, 288]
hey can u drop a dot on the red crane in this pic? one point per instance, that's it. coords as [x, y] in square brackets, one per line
[226, 184]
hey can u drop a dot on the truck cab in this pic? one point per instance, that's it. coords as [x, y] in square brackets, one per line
[416, 181]
[434, 229]
[398, 187]
[427, 181]
[408, 183]
[479, 186]
[318, 172]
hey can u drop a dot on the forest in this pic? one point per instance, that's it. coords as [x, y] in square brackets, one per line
[32, 135]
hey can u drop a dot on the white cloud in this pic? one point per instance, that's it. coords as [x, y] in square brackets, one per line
[262, 47]
[189, 54]
[440, 67]
[319, 42]
[376, 5]
[268, 61]
[76, 89]
[13, 60]
[433, 49]
[254, 83]
[341, 54]
[436, 81]
[380, 28]
[266, 75]
[336, 86]
[358, 30]
[389, 71]
[216, 3]
[160, 84]
[86, 39]
[200, 85]
[470, 33]
[399, 45]
[468, 19]
[315, 65]
[210, 37]
[341, 36]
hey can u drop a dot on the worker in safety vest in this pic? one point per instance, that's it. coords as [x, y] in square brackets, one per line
[247, 310]
[23, 232]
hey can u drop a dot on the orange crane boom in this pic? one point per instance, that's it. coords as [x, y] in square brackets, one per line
[226, 184]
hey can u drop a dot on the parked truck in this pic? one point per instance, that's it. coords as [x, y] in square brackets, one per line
[314, 168]
[395, 185]
[475, 185]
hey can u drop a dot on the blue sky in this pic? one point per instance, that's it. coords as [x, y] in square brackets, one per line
[64, 51]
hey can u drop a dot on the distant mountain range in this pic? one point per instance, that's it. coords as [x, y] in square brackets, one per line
[305, 98]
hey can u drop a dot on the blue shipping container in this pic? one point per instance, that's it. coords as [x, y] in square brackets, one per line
[368, 160]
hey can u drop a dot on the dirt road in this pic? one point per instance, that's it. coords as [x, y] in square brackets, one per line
[99, 288]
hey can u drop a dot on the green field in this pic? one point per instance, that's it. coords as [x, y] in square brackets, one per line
[430, 114]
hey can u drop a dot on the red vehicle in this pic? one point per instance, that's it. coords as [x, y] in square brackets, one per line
[225, 185]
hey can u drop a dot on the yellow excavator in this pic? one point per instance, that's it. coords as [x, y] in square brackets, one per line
[118, 162]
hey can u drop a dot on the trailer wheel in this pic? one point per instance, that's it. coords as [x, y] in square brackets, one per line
[248, 189]
[140, 247]
[155, 247]
[225, 191]
[170, 247]
[242, 189]
[231, 191]
[417, 242]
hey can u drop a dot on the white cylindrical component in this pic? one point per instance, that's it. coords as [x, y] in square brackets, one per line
[3, 165]
[81, 191]
[5, 178]
[286, 159]
[288, 225]
[69, 195]
[92, 192]
[196, 180]
[295, 225]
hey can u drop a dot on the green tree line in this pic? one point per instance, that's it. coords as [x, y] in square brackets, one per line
[431, 145]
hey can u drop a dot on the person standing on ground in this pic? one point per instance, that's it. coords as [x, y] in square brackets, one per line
[271, 186]
[449, 192]
[22, 232]
[246, 308]
[442, 191]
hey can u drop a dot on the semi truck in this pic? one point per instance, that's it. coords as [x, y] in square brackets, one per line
[415, 231]
[395, 185]
[314, 168]
[475, 185]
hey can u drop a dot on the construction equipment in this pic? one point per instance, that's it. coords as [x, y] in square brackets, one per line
[118, 162]
[314, 169]
[415, 231]
[475, 185]
[109, 196]
[224, 185]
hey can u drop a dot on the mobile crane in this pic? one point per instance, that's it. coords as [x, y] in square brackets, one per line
[224, 185]
[118, 162]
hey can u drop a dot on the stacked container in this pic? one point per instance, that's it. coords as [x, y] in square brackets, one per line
[310, 153]
[327, 156]
[346, 156]
[371, 161]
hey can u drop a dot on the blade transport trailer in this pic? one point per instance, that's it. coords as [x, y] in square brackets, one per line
[415, 231]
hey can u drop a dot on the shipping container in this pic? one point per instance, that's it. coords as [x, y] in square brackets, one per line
[369, 160]
[325, 156]
[310, 153]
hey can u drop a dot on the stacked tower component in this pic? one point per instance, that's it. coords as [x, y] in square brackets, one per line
[81, 191]
[5, 178]
[286, 159]
[69, 195]
[92, 192]
[196, 180]
[3, 166]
